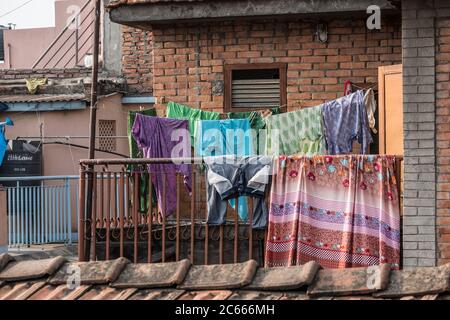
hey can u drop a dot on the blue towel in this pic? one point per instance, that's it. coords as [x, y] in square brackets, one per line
[3, 141]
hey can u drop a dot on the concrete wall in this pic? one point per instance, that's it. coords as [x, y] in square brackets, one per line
[27, 45]
[63, 160]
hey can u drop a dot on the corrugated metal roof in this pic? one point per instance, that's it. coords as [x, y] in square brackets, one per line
[42, 98]
[163, 281]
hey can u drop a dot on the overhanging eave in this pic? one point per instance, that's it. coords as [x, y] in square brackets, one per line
[143, 15]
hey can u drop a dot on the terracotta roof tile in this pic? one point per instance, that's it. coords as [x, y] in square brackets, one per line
[417, 281]
[20, 291]
[219, 282]
[153, 294]
[107, 293]
[351, 281]
[61, 292]
[206, 295]
[158, 275]
[215, 277]
[4, 259]
[94, 272]
[30, 269]
[255, 295]
[284, 278]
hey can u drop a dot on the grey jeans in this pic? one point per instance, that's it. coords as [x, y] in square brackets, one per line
[229, 177]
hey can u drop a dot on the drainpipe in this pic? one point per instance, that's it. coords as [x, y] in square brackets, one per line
[92, 129]
[3, 221]
[9, 56]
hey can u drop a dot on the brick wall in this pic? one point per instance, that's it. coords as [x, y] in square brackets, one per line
[189, 60]
[419, 236]
[137, 60]
[11, 74]
[443, 139]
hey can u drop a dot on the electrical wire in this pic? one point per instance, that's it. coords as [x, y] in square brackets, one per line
[11, 11]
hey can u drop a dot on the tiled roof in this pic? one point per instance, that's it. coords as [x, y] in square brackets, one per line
[49, 279]
[58, 90]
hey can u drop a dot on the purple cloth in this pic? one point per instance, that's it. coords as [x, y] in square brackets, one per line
[345, 119]
[154, 136]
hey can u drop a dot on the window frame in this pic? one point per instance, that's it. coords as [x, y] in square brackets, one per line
[228, 70]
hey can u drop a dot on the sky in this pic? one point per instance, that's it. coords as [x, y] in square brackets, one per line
[34, 14]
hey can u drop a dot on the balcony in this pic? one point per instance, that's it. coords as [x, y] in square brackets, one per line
[120, 228]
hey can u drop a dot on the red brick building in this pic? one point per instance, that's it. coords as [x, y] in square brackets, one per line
[189, 51]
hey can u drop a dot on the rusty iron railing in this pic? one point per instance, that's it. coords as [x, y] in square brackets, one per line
[119, 228]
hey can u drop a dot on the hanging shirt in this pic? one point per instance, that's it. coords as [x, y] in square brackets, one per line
[179, 111]
[231, 176]
[296, 132]
[256, 118]
[371, 108]
[345, 119]
[134, 153]
[257, 123]
[164, 138]
[134, 149]
[226, 137]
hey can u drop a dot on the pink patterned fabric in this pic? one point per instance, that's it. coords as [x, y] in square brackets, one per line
[340, 211]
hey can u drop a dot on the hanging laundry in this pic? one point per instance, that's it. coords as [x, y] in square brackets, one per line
[228, 177]
[179, 111]
[256, 118]
[340, 211]
[371, 108]
[296, 132]
[226, 137]
[348, 87]
[3, 140]
[345, 119]
[136, 153]
[154, 136]
[33, 84]
[257, 122]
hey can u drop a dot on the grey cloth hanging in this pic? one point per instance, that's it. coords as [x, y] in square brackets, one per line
[229, 177]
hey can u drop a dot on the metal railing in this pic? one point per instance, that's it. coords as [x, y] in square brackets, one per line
[121, 227]
[72, 43]
[39, 209]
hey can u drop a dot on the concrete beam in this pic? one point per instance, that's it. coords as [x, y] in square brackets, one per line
[142, 15]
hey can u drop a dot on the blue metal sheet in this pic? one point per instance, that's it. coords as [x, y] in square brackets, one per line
[45, 106]
[138, 99]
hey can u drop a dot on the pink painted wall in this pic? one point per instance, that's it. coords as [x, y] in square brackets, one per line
[24, 46]
[63, 160]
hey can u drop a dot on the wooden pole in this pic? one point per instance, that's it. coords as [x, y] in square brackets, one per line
[92, 129]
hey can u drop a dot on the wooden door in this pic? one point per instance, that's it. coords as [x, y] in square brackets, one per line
[390, 111]
[390, 116]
